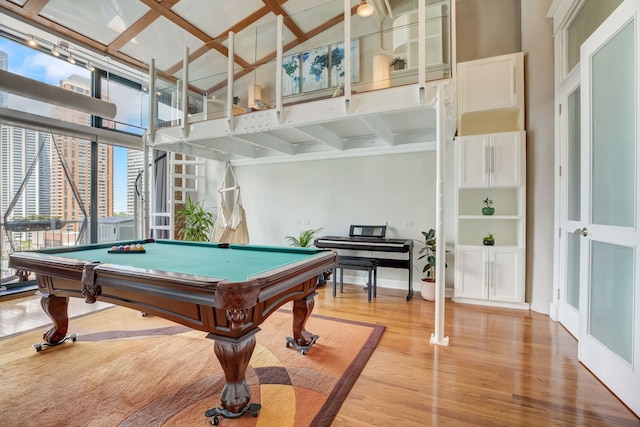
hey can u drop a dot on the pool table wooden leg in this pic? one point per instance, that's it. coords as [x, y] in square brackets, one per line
[302, 309]
[56, 309]
[234, 358]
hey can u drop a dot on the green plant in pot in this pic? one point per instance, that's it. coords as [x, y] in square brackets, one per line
[304, 240]
[488, 240]
[428, 251]
[487, 209]
[398, 63]
[198, 222]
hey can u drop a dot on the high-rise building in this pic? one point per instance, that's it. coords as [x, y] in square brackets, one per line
[4, 65]
[18, 150]
[77, 154]
[135, 167]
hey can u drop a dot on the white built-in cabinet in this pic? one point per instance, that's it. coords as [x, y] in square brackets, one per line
[491, 94]
[490, 166]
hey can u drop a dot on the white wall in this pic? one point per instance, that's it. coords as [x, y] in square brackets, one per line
[399, 190]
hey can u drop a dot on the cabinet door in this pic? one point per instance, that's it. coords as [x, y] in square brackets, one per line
[471, 273]
[488, 84]
[473, 161]
[505, 274]
[505, 159]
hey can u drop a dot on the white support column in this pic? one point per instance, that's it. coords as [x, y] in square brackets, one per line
[185, 93]
[231, 60]
[347, 56]
[153, 113]
[279, 53]
[421, 50]
[145, 183]
[438, 336]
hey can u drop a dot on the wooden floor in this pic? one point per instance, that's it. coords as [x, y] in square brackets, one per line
[501, 368]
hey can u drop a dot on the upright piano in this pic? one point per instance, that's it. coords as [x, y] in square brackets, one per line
[372, 238]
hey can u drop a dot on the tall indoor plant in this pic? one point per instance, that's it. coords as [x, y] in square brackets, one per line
[428, 251]
[198, 222]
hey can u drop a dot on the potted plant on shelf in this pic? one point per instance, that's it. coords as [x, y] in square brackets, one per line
[398, 63]
[197, 222]
[428, 288]
[488, 240]
[488, 209]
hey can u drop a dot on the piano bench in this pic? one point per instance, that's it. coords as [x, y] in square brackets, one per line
[357, 263]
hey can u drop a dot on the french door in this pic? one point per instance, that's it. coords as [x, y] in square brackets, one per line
[608, 234]
[571, 213]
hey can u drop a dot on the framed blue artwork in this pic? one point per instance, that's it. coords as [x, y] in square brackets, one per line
[291, 75]
[338, 65]
[315, 69]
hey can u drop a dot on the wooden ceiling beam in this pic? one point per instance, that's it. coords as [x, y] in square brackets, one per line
[292, 26]
[165, 10]
[136, 28]
[35, 6]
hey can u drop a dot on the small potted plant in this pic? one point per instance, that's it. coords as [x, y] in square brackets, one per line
[487, 208]
[488, 240]
[304, 240]
[398, 63]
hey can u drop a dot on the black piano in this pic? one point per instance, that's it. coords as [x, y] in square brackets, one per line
[372, 238]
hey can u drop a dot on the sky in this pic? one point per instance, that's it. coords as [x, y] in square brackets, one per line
[30, 63]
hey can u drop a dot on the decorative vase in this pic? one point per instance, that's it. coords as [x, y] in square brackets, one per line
[428, 289]
[488, 242]
[488, 211]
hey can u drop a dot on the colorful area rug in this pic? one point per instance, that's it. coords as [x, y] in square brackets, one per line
[129, 370]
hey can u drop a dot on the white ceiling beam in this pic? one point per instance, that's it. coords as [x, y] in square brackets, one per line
[322, 134]
[266, 140]
[381, 129]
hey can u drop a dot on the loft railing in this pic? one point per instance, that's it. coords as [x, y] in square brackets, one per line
[266, 70]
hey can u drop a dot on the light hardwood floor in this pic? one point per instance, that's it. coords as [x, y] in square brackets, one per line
[501, 368]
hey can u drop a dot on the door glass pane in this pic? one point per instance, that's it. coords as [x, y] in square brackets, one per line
[592, 14]
[573, 270]
[611, 297]
[613, 129]
[573, 124]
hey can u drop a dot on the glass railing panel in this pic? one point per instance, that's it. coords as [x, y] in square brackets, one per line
[132, 102]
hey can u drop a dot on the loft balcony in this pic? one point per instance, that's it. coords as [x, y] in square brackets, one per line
[298, 104]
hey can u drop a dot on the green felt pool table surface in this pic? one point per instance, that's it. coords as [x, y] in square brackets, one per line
[235, 263]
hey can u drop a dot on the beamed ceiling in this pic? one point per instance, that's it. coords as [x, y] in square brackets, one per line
[135, 32]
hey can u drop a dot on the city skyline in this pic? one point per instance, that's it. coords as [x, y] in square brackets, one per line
[38, 66]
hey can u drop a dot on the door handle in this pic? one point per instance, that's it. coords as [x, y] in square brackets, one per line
[582, 232]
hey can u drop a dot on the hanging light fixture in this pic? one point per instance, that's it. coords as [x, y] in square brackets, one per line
[55, 51]
[365, 9]
[32, 42]
[71, 59]
[89, 66]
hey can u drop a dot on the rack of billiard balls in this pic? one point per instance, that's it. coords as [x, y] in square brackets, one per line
[127, 249]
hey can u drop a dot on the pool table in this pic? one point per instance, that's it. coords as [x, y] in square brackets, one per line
[226, 290]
